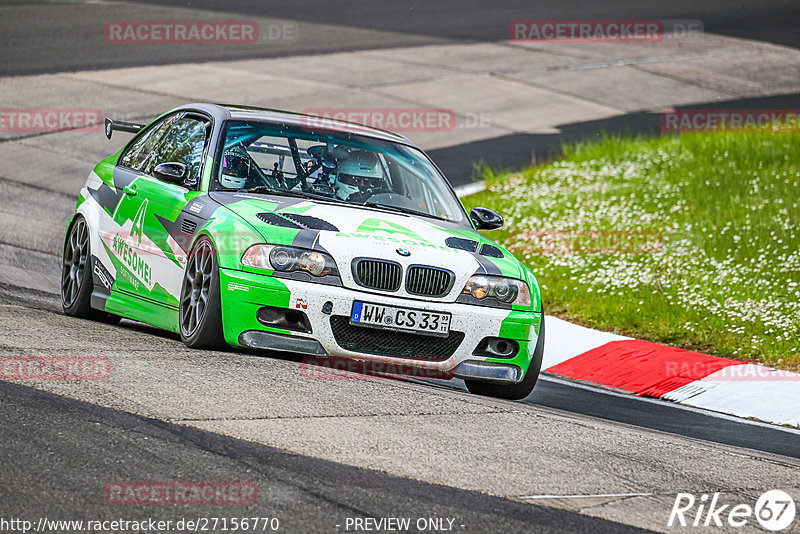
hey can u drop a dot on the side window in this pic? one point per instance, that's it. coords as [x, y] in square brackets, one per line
[183, 142]
[138, 152]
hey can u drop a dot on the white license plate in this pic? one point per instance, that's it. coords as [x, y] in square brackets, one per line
[400, 319]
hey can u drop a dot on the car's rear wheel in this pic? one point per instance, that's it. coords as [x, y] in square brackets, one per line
[521, 389]
[76, 275]
[200, 312]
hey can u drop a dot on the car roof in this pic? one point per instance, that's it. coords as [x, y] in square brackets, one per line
[300, 120]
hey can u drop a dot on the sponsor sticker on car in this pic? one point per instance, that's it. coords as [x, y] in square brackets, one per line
[400, 319]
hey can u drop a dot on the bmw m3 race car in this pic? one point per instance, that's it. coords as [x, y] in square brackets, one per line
[279, 231]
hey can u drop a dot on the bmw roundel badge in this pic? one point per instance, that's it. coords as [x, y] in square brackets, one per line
[403, 252]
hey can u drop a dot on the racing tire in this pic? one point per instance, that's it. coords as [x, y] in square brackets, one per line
[200, 311]
[519, 390]
[76, 275]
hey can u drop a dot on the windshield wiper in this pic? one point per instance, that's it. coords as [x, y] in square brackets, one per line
[401, 210]
[262, 189]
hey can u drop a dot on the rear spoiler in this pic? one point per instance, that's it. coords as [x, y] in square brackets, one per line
[112, 126]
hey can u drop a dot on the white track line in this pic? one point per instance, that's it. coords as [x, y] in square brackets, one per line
[456, 384]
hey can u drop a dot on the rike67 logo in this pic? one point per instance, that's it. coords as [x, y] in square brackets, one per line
[774, 511]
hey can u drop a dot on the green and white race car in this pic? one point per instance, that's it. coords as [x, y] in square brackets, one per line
[280, 231]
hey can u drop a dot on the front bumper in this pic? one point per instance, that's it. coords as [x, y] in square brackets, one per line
[244, 293]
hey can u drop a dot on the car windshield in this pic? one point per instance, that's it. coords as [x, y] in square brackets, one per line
[333, 166]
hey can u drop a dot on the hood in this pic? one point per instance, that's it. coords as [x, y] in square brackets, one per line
[349, 232]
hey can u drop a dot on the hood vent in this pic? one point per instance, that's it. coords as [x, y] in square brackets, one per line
[491, 251]
[471, 246]
[312, 223]
[276, 220]
[298, 222]
[461, 244]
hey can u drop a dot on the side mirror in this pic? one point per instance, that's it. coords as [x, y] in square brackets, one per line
[486, 219]
[170, 172]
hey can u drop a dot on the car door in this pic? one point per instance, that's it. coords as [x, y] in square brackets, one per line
[150, 253]
[160, 235]
[122, 246]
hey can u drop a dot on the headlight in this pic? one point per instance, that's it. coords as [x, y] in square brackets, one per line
[506, 290]
[288, 259]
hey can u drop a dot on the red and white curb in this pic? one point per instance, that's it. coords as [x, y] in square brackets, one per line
[653, 370]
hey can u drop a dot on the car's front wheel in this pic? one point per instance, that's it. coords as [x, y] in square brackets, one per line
[200, 312]
[521, 389]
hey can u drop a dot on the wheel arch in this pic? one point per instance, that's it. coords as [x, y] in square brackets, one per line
[231, 236]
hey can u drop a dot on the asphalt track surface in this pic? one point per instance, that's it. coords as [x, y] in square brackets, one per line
[59, 452]
[316, 449]
[35, 42]
[62, 442]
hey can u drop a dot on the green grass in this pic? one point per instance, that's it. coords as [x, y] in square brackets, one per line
[692, 240]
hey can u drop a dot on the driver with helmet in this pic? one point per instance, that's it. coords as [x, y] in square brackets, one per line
[239, 171]
[235, 168]
[359, 176]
